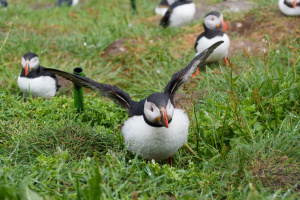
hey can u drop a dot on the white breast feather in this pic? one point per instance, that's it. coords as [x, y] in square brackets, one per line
[219, 53]
[156, 142]
[74, 2]
[44, 86]
[182, 14]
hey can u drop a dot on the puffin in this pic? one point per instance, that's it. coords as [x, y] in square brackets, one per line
[289, 7]
[3, 3]
[213, 26]
[35, 80]
[155, 129]
[163, 7]
[66, 2]
[180, 13]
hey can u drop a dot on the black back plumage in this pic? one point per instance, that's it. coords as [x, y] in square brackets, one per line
[123, 99]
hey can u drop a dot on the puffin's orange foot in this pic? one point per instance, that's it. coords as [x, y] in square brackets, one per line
[196, 73]
[226, 62]
[170, 161]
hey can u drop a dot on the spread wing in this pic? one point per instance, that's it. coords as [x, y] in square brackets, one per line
[113, 92]
[183, 75]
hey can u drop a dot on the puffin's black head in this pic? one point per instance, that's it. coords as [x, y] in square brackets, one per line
[164, 3]
[158, 109]
[30, 61]
[214, 20]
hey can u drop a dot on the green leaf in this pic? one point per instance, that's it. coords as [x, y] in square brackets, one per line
[25, 193]
[94, 191]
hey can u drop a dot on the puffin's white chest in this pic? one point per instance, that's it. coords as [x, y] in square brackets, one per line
[219, 53]
[156, 142]
[74, 2]
[43, 86]
[287, 10]
[182, 14]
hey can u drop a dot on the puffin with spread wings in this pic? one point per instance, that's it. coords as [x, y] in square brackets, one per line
[155, 129]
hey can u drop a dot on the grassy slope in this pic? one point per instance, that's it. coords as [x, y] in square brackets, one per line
[244, 138]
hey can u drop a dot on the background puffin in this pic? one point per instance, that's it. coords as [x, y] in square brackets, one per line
[213, 26]
[155, 128]
[163, 7]
[179, 13]
[289, 7]
[3, 3]
[33, 79]
[66, 2]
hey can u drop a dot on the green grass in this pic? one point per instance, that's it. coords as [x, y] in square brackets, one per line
[244, 134]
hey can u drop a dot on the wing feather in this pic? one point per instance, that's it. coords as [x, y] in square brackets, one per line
[183, 75]
[113, 92]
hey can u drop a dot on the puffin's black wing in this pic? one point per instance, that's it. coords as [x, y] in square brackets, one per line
[164, 22]
[183, 75]
[113, 92]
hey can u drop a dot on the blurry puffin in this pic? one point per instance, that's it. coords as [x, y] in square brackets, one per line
[179, 13]
[213, 26]
[66, 2]
[3, 3]
[33, 79]
[163, 7]
[289, 7]
[155, 129]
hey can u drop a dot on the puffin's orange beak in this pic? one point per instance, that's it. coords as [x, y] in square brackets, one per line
[164, 118]
[26, 68]
[295, 3]
[224, 26]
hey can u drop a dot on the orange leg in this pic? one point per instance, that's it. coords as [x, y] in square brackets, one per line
[196, 73]
[170, 161]
[226, 62]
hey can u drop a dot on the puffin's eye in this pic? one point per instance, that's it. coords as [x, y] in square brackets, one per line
[151, 109]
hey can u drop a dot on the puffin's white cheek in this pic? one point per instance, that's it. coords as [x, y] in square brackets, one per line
[148, 114]
[23, 62]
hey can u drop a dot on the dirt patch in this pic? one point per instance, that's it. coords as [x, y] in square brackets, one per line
[38, 6]
[63, 82]
[114, 48]
[254, 47]
[277, 174]
[272, 23]
[225, 6]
